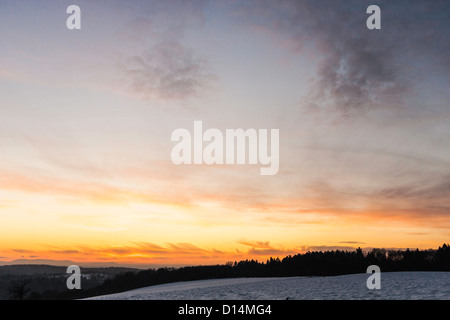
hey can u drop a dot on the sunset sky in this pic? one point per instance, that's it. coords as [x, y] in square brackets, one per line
[86, 118]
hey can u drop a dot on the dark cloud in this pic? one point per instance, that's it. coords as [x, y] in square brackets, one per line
[351, 242]
[166, 71]
[360, 68]
[66, 251]
[271, 252]
[328, 248]
[22, 251]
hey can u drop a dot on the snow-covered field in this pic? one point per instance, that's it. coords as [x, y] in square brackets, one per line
[394, 285]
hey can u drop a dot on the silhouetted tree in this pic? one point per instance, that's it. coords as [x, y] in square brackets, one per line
[442, 258]
[19, 289]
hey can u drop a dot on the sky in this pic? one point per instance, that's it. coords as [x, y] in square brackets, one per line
[86, 118]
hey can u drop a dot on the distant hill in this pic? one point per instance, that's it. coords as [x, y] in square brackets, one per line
[66, 263]
[44, 269]
[61, 263]
[43, 277]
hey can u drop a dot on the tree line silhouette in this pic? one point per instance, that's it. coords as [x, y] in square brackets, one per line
[316, 263]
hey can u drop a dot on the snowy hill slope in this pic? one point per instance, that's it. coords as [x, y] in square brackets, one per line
[394, 285]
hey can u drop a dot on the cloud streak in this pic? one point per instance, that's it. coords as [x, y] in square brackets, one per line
[432, 190]
[147, 253]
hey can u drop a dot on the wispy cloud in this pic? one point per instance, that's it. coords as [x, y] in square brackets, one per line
[425, 190]
[101, 192]
[167, 71]
[255, 244]
[162, 19]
